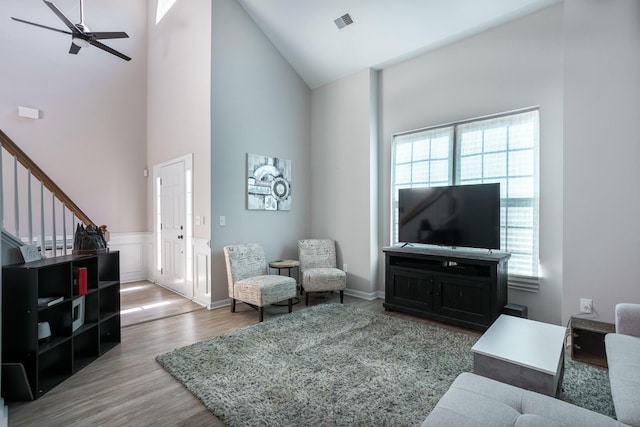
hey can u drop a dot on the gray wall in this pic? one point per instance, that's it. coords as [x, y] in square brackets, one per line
[344, 175]
[601, 154]
[258, 105]
[91, 137]
[512, 66]
[579, 61]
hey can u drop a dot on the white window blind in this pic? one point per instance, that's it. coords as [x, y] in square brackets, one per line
[500, 149]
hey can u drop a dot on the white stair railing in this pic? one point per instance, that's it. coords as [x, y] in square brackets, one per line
[47, 221]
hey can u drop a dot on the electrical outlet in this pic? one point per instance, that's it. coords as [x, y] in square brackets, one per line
[223, 221]
[586, 305]
[344, 267]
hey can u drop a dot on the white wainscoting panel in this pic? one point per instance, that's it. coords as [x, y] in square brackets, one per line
[220, 303]
[201, 272]
[133, 249]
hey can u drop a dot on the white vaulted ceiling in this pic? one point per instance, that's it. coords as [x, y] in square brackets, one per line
[383, 31]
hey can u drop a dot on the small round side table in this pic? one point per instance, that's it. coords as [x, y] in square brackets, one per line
[287, 264]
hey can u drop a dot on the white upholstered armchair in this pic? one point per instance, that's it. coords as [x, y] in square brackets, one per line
[318, 268]
[249, 281]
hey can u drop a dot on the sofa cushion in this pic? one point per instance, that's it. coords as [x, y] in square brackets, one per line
[473, 400]
[623, 358]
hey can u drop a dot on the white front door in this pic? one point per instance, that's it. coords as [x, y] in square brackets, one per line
[173, 227]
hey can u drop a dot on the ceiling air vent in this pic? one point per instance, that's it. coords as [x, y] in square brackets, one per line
[343, 21]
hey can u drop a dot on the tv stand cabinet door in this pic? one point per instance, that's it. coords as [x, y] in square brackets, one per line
[409, 288]
[464, 299]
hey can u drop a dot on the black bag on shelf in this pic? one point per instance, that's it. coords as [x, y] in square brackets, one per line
[88, 239]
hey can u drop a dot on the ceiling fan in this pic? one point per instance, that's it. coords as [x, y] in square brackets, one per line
[80, 34]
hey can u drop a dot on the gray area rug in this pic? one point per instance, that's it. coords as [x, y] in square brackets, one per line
[338, 365]
[587, 386]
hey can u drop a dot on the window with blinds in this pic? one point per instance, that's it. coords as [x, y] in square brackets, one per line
[501, 148]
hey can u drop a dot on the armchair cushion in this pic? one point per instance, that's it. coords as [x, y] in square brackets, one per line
[324, 279]
[264, 290]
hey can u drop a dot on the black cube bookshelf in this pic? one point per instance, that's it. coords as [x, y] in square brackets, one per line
[83, 327]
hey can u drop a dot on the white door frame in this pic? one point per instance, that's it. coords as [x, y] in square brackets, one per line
[188, 169]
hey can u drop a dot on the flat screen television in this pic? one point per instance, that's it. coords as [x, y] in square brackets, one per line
[457, 216]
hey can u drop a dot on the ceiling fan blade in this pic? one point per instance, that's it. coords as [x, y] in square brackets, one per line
[61, 16]
[108, 35]
[108, 49]
[74, 49]
[41, 26]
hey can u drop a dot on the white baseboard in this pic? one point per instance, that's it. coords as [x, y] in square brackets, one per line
[203, 302]
[220, 304]
[369, 296]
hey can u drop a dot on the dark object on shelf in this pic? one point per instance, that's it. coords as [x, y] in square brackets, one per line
[44, 333]
[516, 310]
[47, 364]
[587, 340]
[465, 288]
[88, 240]
[49, 301]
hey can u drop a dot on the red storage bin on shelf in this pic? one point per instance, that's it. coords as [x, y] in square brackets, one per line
[79, 280]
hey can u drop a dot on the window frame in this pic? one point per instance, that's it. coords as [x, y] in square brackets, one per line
[523, 282]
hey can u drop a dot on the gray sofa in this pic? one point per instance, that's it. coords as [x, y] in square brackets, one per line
[473, 400]
[623, 358]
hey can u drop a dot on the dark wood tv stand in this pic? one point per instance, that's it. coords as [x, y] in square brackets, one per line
[462, 287]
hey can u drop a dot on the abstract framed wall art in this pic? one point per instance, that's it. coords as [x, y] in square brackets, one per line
[268, 183]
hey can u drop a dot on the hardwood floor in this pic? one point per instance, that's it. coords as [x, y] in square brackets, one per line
[127, 387]
[145, 301]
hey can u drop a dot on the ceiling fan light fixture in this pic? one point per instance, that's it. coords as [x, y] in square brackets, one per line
[80, 35]
[80, 42]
